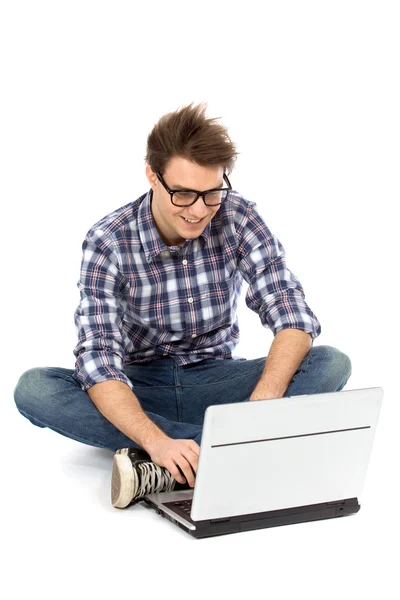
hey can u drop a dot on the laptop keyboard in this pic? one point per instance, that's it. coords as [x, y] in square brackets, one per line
[181, 508]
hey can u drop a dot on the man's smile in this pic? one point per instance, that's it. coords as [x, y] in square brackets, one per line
[193, 222]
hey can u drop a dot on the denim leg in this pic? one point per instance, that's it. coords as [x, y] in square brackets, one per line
[52, 397]
[174, 397]
[324, 369]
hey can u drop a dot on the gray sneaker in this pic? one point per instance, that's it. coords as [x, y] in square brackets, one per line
[134, 476]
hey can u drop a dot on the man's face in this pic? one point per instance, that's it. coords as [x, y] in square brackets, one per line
[181, 173]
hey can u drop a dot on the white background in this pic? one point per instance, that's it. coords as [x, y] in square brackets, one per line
[310, 93]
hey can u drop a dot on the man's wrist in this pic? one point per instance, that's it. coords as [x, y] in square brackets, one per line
[266, 393]
[153, 438]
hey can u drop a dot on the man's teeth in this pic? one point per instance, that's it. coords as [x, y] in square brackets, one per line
[192, 220]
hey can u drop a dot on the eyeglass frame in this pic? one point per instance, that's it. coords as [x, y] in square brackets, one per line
[171, 192]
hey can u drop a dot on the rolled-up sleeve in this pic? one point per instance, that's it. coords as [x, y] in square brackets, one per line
[274, 292]
[98, 318]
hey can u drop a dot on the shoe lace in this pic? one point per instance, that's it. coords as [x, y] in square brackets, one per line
[153, 479]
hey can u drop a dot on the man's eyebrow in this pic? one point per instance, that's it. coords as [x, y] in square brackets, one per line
[182, 187]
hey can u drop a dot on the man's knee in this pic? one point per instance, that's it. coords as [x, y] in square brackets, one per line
[339, 365]
[28, 391]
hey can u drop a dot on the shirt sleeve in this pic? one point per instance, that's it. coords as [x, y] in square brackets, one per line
[274, 292]
[98, 318]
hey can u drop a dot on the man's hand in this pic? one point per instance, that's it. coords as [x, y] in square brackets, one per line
[172, 454]
[263, 392]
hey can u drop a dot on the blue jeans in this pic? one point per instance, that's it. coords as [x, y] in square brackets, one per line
[174, 397]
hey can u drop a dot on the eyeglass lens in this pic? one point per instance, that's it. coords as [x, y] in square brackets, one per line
[210, 198]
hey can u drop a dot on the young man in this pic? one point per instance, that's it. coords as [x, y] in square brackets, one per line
[157, 326]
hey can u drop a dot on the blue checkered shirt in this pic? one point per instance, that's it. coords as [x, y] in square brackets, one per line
[141, 300]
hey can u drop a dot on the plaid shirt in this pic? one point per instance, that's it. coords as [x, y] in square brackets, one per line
[142, 300]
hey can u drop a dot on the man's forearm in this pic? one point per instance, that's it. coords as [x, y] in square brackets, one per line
[119, 405]
[287, 352]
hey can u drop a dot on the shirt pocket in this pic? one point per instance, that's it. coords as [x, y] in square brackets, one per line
[214, 305]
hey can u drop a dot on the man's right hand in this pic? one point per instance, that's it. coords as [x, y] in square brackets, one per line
[172, 454]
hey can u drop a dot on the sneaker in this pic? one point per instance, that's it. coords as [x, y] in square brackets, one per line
[134, 476]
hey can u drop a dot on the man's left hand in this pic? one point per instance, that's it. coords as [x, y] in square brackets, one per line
[261, 393]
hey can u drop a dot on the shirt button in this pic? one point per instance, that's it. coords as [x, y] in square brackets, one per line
[184, 262]
[190, 300]
[194, 335]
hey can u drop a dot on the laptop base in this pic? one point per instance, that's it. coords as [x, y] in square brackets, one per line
[288, 516]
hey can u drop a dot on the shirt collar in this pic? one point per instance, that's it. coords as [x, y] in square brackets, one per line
[148, 232]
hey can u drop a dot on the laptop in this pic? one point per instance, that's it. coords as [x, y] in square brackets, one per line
[277, 462]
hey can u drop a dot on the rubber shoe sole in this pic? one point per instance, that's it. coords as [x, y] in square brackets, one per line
[124, 482]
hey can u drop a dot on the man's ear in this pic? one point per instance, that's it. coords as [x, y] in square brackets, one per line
[151, 176]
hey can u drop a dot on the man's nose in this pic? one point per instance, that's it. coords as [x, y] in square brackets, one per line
[198, 210]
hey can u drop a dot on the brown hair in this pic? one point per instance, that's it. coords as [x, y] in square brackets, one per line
[189, 134]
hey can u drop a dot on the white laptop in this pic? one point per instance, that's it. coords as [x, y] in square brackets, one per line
[275, 462]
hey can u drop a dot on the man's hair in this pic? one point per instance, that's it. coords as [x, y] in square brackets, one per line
[189, 134]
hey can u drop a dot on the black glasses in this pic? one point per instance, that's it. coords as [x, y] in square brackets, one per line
[188, 197]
